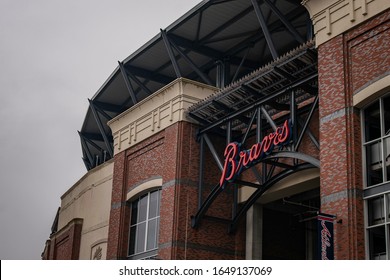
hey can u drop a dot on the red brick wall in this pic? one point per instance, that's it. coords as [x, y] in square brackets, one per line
[172, 155]
[347, 63]
[65, 244]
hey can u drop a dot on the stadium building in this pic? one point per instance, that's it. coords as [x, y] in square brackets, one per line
[247, 129]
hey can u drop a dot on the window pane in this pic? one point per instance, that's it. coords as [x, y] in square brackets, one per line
[141, 232]
[132, 240]
[158, 229]
[143, 239]
[159, 201]
[388, 207]
[386, 150]
[152, 235]
[376, 211]
[134, 212]
[372, 122]
[377, 241]
[386, 114]
[153, 207]
[374, 163]
[142, 208]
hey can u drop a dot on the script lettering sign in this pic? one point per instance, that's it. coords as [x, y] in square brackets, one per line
[237, 159]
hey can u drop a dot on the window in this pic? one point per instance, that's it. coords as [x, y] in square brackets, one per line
[144, 226]
[376, 141]
[378, 229]
[376, 147]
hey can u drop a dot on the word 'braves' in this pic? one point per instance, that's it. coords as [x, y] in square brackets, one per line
[235, 159]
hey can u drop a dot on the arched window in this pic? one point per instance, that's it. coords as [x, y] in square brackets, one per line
[144, 225]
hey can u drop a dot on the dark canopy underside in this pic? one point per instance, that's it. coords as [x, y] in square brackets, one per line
[217, 43]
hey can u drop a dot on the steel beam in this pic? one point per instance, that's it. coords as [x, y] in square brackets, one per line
[170, 53]
[256, 195]
[201, 170]
[100, 126]
[312, 137]
[268, 117]
[258, 176]
[219, 74]
[221, 106]
[213, 54]
[195, 220]
[197, 118]
[213, 151]
[154, 76]
[128, 83]
[292, 78]
[257, 93]
[228, 110]
[234, 36]
[90, 141]
[293, 117]
[190, 45]
[308, 119]
[254, 39]
[92, 136]
[249, 127]
[276, 163]
[192, 64]
[265, 29]
[259, 125]
[86, 149]
[251, 91]
[260, 102]
[86, 163]
[108, 107]
[241, 63]
[228, 132]
[247, 184]
[225, 25]
[138, 82]
[287, 23]
[101, 111]
[295, 155]
[199, 25]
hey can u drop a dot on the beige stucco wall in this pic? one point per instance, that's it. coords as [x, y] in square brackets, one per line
[156, 112]
[90, 199]
[333, 17]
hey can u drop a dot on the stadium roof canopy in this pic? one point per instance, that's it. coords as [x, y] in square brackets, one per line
[216, 43]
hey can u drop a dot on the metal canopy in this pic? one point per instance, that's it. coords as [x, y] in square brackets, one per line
[297, 68]
[285, 90]
[217, 43]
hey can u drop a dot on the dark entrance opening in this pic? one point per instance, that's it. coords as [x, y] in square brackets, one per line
[290, 227]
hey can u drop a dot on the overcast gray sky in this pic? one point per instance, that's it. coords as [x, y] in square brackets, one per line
[54, 54]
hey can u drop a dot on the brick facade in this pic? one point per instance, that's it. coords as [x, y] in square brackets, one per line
[347, 63]
[173, 155]
[65, 244]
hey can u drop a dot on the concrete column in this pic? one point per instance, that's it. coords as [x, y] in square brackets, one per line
[254, 233]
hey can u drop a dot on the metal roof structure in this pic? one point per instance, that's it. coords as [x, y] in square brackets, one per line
[281, 96]
[218, 42]
[296, 69]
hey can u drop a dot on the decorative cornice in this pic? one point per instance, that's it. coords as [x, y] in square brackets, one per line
[155, 113]
[334, 17]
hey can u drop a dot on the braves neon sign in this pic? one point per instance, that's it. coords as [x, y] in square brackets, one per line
[237, 159]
